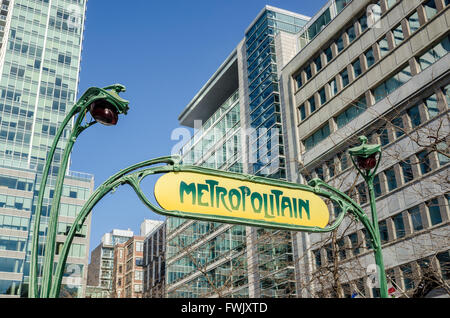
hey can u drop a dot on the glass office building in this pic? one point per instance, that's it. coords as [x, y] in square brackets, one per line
[216, 265]
[39, 67]
[264, 94]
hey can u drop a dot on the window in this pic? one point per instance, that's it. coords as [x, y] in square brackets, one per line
[352, 112]
[363, 23]
[318, 63]
[434, 211]
[407, 276]
[333, 87]
[357, 70]
[444, 263]
[367, 239]
[312, 105]
[414, 23]
[390, 178]
[319, 173]
[330, 168]
[397, 124]
[414, 116]
[446, 91]
[384, 234]
[345, 78]
[340, 44]
[302, 110]
[354, 243]
[342, 157]
[299, 80]
[398, 35]
[407, 171]
[361, 188]
[377, 186]
[341, 246]
[431, 104]
[308, 72]
[424, 162]
[399, 225]
[384, 136]
[384, 46]
[322, 96]
[351, 33]
[416, 219]
[442, 150]
[329, 54]
[317, 137]
[64, 59]
[317, 258]
[430, 9]
[435, 54]
[392, 84]
[370, 58]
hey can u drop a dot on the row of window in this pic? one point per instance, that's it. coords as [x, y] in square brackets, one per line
[16, 183]
[379, 92]
[411, 118]
[345, 38]
[413, 220]
[403, 278]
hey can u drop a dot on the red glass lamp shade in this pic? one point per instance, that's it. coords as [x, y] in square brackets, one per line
[368, 163]
[104, 113]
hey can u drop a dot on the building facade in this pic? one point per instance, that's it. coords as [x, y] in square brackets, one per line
[302, 91]
[101, 267]
[379, 69]
[134, 268]
[154, 263]
[39, 73]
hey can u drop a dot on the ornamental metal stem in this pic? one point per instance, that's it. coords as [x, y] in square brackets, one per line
[363, 152]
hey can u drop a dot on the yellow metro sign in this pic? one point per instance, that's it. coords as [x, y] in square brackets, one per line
[230, 200]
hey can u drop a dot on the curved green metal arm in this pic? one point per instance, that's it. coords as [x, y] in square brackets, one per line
[351, 206]
[111, 184]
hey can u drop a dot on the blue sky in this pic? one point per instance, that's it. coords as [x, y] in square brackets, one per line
[163, 52]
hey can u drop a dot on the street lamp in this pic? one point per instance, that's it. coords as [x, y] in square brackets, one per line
[366, 158]
[105, 105]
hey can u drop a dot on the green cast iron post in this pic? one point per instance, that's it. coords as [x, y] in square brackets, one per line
[104, 105]
[364, 158]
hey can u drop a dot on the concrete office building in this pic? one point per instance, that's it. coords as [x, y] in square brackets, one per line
[39, 72]
[322, 82]
[388, 79]
[101, 266]
[154, 262]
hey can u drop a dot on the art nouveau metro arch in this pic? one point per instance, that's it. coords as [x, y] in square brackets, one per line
[204, 194]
